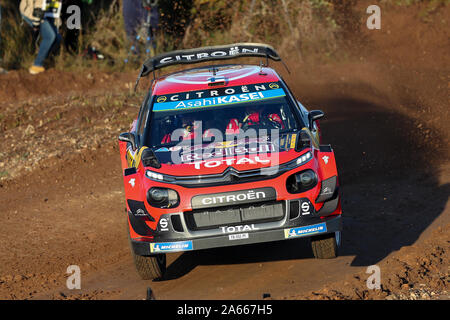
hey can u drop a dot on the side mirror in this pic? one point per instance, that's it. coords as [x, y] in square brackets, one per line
[129, 138]
[314, 115]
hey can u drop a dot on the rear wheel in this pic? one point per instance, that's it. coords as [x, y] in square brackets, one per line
[325, 246]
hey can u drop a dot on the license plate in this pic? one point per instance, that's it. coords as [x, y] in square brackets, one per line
[238, 236]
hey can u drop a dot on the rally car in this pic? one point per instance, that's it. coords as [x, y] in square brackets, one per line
[224, 155]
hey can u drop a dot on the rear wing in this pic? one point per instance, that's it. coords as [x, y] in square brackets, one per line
[197, 55]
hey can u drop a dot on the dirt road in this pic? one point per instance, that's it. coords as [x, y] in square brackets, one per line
[62, 201]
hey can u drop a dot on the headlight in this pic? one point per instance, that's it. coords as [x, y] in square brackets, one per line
[304, 158]
[158, 194]
[154, 175]
[306, 178]
[301, 181]
[162, 198]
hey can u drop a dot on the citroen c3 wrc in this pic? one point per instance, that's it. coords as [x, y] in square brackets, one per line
[224, 155]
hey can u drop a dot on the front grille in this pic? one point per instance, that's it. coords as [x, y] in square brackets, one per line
[232, 215]
[229, 176]
[294, 209]
[176, 223]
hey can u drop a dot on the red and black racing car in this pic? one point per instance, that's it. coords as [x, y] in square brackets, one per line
[224, 155]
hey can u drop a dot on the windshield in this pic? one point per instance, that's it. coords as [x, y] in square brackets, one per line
[220, 112]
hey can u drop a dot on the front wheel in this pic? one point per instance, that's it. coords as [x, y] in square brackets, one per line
[326, 246]
[150, 267]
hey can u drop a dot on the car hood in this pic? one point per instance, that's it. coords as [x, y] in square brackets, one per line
[213, 158]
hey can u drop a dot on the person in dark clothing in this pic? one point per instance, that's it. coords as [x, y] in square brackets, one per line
[133, 16]
[141, 19]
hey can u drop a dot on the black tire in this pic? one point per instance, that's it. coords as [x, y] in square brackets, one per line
[150, 267]
[324, 246]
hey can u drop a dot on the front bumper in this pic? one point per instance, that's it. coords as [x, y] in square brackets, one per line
[265, 232]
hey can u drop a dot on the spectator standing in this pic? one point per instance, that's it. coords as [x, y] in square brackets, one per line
[42, 15]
